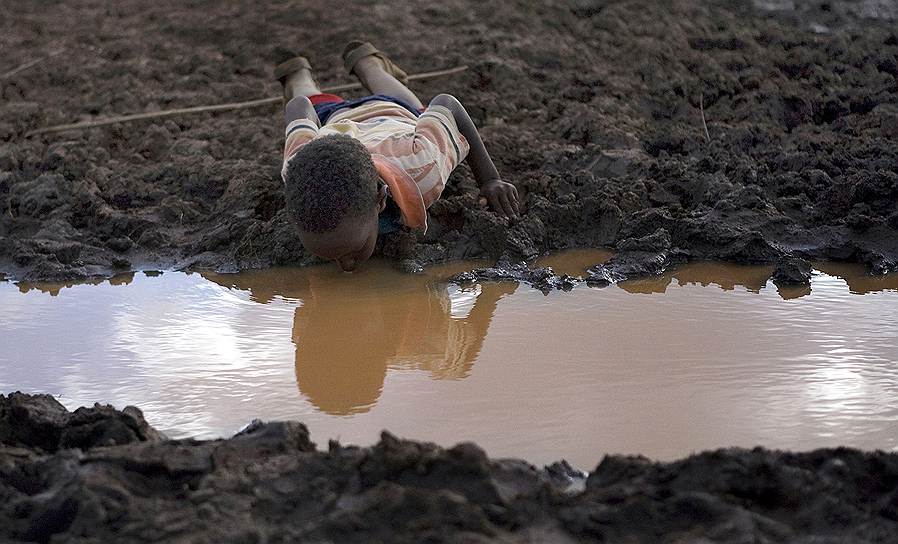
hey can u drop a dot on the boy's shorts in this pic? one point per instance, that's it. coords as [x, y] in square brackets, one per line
[328, 104]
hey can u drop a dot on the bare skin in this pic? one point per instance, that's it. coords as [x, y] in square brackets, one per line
[301, 84]
[502, 196]
[372, 75]
[352, 241]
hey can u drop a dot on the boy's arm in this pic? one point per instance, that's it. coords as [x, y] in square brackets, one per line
[502, 196]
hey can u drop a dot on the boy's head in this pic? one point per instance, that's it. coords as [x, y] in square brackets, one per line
[335, 194]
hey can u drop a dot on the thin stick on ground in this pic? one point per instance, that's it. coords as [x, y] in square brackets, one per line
[220, 107]
[29, 64]
[701, 107]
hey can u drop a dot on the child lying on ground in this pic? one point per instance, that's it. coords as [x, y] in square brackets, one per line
[353, 169]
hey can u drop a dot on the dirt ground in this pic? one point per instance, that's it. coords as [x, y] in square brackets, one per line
[593, 108]
[101, 475]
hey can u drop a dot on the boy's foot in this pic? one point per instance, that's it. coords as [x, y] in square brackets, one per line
[289, 67]
[357, 50]
[295, 74]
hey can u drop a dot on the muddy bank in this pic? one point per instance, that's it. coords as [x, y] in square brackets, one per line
[99, 474]
[592, 108]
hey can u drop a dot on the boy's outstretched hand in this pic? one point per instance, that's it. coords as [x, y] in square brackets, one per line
[502, 197]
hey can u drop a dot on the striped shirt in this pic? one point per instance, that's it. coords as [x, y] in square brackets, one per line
[420, 152]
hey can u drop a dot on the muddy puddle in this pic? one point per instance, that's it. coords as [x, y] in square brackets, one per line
[708, 355]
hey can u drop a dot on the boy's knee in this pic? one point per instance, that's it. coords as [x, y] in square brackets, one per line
[299, 104]
[446, 100]
[298, 107]
[300, 99]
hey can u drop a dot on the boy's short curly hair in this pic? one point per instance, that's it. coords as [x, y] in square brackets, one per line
[330, 178]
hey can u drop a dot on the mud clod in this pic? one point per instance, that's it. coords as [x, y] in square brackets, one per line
[792, 271]
[631, 265]
[656, 242]
[41, 422]
[270, 483]
[541, 278]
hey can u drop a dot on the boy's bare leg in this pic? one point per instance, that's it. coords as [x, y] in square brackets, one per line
[371, 73]
[300, 83]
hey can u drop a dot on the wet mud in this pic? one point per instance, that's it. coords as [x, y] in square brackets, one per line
[99, 474]
[740, 131]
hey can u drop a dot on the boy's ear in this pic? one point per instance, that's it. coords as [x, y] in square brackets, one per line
[382, 197]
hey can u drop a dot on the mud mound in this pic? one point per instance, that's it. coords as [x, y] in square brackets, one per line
[593, 108]
[269, 483]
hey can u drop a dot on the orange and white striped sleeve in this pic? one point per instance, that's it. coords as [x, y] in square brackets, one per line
[437, 136]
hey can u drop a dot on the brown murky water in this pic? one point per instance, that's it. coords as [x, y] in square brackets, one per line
[706, 356]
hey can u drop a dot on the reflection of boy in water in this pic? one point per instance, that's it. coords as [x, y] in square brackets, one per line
[353, 169]
[348, 331]
[343, 348]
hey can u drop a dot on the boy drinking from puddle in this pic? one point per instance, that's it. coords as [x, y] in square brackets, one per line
[357, 168]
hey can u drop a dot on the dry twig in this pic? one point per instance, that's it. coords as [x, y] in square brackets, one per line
[29, 64]
[701, 106]
[218, 107]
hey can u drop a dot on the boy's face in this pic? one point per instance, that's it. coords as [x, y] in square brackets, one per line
[351, 242]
